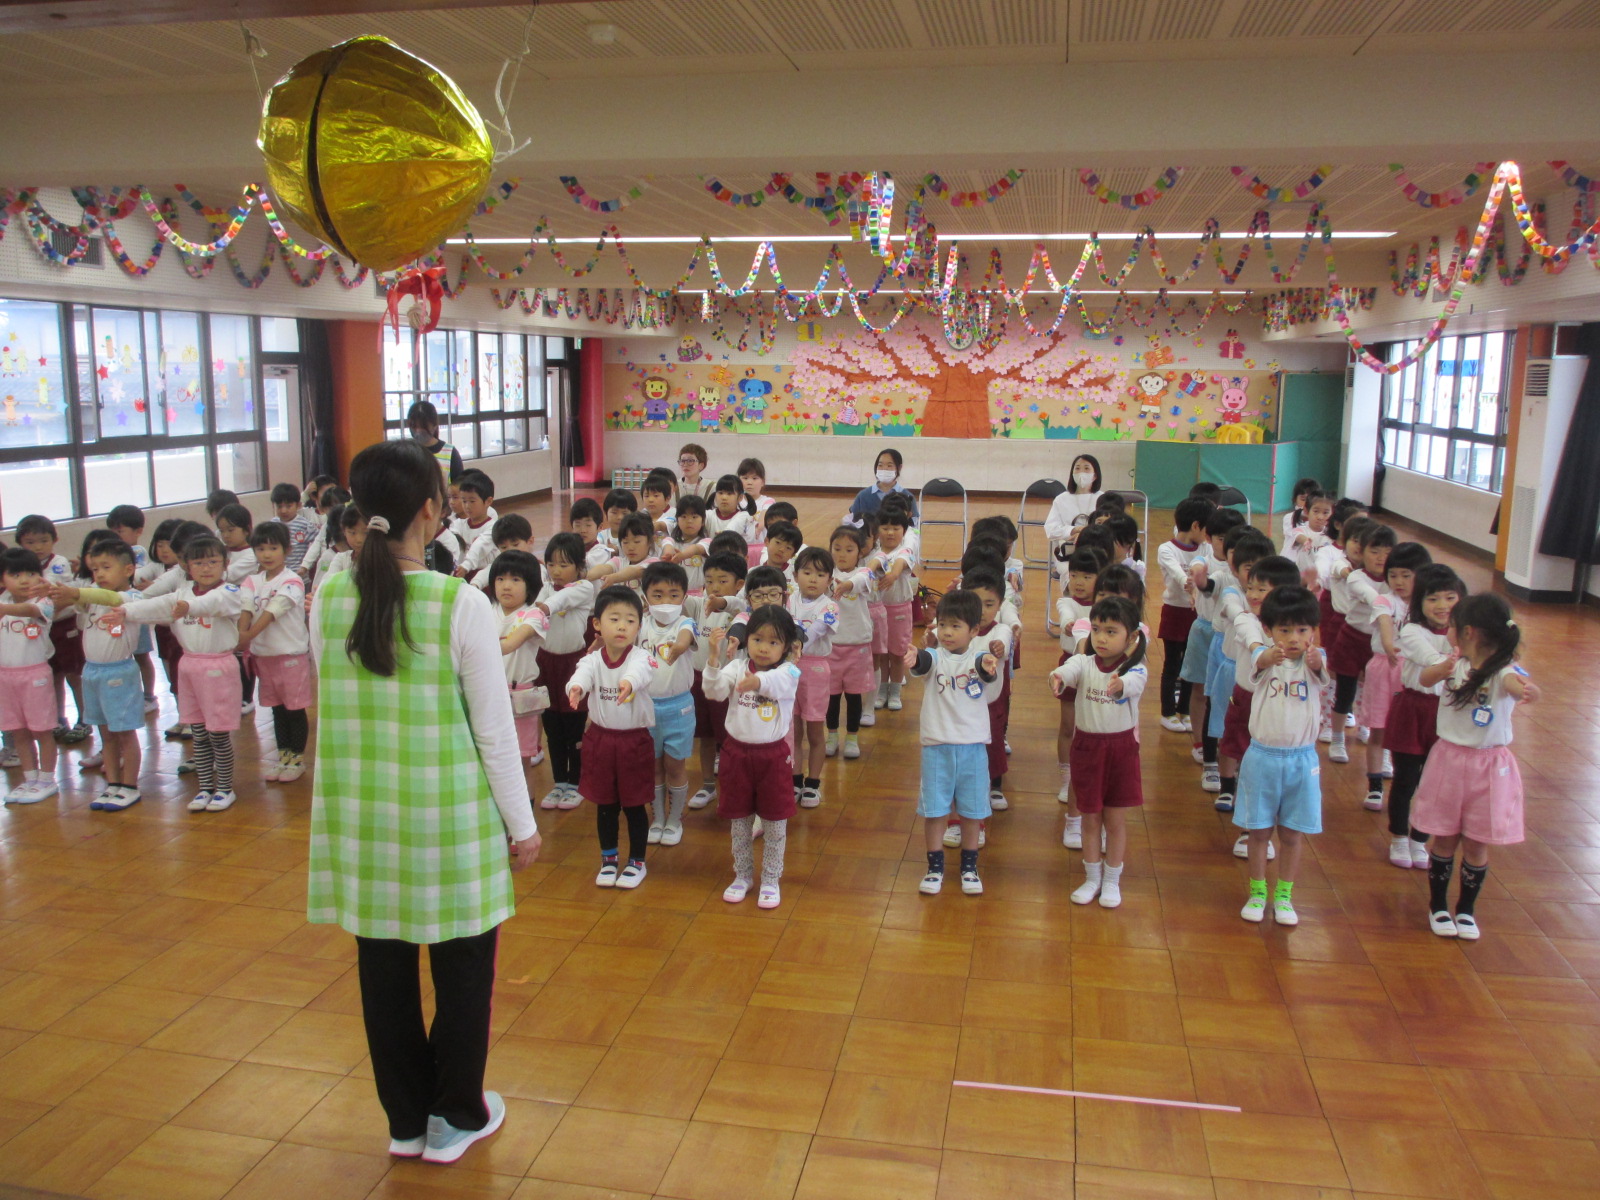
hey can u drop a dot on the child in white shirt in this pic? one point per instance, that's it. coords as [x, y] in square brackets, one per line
[27, 694]
[1105, 747]
[686, 543]
[955, 734]
[1177, 608]
[515, 582]
[1305, 532]
[759, 692]
[272, 628]
[566, 599]
[618, 754]
[1280, 778]
[670, 634]
[850, 673]
[716, 609]
[816, 613]
[897, 587]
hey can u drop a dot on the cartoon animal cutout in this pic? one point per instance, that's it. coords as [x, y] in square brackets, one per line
[689, 349]
[1191, 385]
[1159, 355]
[1150, 388]
[711, 409]
[1234, 399]
[656, 392]
[848, 414]
[752, 399]
[1232, 346]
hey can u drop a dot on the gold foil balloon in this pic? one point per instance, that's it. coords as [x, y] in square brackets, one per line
[375, 151]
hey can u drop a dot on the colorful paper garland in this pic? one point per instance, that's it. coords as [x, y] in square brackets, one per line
[1130, 200]
[1282, 195]
[579, 196]
[1450, 196]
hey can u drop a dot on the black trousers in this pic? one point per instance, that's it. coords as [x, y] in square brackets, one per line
[290, 728]
[1174, 692]
[423, 1072]
[563, 738]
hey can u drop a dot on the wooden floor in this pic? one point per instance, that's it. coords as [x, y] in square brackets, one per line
[171, 1027]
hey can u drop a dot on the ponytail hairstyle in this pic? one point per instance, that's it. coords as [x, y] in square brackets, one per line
[391, 482]
[689, 503]
[1435, 577]
[731, 485]
[1125, 613]
[1490, 616]
[1308, 488]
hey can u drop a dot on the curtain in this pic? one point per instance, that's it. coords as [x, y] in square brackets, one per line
[1574, 514]
[316, 397]
[572, 450]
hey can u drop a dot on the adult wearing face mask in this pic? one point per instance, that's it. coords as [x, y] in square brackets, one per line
[886, 481]
[1072, 509]
[422, 423]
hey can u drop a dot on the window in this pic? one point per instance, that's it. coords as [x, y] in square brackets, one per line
[490, 389]
[101, 406]
[1445, 415]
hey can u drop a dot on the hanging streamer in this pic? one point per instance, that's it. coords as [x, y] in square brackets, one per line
[1450, 196]
[1251, 183]
[579, 196]
[1130, 200]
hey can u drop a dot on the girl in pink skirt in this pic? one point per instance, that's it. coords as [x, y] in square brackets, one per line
[1471, 790]
[1382, 678]
[514, 581]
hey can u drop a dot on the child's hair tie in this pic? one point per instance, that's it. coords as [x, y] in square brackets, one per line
[379, 524]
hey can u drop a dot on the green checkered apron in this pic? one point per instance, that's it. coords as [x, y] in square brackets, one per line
[406, 841]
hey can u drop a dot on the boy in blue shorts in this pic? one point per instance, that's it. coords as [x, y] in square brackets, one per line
[671, 637]
[1280, 784]
[955, 734]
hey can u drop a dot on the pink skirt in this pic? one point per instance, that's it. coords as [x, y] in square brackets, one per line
[1382, 681]
[210, 691]
[850, 670]
[1472, 791]
[284, 679]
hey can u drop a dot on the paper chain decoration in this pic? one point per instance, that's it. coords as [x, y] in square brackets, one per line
[1131, 200]
[1450, 196]
[1283, 195]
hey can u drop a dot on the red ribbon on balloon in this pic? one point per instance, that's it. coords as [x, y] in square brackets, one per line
[427, 285]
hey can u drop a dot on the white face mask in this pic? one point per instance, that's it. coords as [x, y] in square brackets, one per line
[1083, 478]
[887, 476]
[665, 614]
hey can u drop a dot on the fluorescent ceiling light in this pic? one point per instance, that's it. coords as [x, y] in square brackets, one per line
[687, 240]
[1031, 291]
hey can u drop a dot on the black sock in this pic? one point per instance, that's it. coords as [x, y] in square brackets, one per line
[1230, 785]
[969, 861]
[1418, 836]
[1208, 748]
[1439, 872]
[813, 783]
[1375, 783]
[1471, 884]
[936, 862]
[994, 784]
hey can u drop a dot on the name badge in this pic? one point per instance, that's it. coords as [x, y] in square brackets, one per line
[32, 632]
[974, 688]
[1482, 716]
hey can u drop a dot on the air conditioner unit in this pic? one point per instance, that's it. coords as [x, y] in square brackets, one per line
[1549, 398]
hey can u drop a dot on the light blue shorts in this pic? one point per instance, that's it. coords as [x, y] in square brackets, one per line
[955, 777]
[1279, 785]
[113, 695]
[1219, 686]
[673, 732]
[1196, 652]
[147, 640]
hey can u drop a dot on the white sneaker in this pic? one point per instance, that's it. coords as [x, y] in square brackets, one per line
[200, 801]
[1338, 752]
[119, 798]
[1111, 887]
[90, 761]
[1064, 793]
[868, 717]
[151, 704]
[810, 797]
[272, 767]
[409, 1147]
[1326, 735]
[971, 883]
[658, 821]
[536, 759]
[1388, 765]
[983, 834]
[1419, 854]
[607, 876]
[294, 766]
[1198, 753]
[671, 834]
[1241, 848]
[704, 796]
[1466, 927]
[931, 883]
[1188, 724]
[1072, 835]
[830, 743]
[1172, 724]
[1400, 852]
[1363, 734]
[23, 793]
[997, 800]
[895, 704]
[1350, 720]
[447, 1143]
[10, 758]
[952, 835]
[1443, 924]
[1283, 911]
[1255, 909]
[1374, 801]
[248, 707]
[852, 746]
[736, 891]
[552, 798]
[1088, 889]
[632, 875]
[881, 698]
[1210, 778]
[570, 797]
[769, 896]
[220, 801]
[44, 788]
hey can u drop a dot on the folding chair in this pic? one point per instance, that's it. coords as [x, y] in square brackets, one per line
[1232, 497]
[1040, 489]
[941, 488]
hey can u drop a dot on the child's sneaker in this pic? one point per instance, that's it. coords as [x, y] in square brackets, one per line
[632, 875]
[1172, 724]
[201, 800]
[1326, 735]
[830, 743]
[220, 801]
[536, 759]
[124, 797]
[1466, 927]
[931, 883]
[107, 793]
[852, 746]
[736, 891]
[658, 821]
[1072, 835]
[45, 786]
[1241, 848]
[998, 801]
[186, 767]
[971, 883]
[25, 792]
[1400, 852]
[810, 797]
[1255, 909]
[704, 796]
[1064, 792]
[952, 832]
[1188, 724]
[293, 767]
[868, 717]
[1388, 765]
[552, 798]
[1198, 753]
[1363, 733]
[1210, 778]
[10, 758]
[1374, 800]
[1337, 751]
[608, 873]
[1419, 854]
[1111, 887]
[271, 768]
[1443, 924]
[895, 703]
[178, 733]
[769, 896]
[1086, 891]
[1223, 803]
[881, 698]
[570, 797]
[89, 762]
[151, 704]
[1283, 911]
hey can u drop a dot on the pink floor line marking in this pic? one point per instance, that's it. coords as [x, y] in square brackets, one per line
[1010, 1087]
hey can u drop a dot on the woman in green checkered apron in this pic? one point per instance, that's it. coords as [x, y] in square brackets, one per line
[417, 789]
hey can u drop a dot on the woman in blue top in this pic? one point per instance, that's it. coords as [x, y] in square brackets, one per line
[887, 481]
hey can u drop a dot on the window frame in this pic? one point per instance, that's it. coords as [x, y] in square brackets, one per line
[78, 452]
[1405, 396]
[533, 415]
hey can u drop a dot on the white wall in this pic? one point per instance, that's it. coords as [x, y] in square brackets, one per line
[1460, 512]
[518, 474]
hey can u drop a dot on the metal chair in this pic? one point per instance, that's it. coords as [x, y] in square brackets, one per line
[941, 488]
[1040, 489]
[1232, 497]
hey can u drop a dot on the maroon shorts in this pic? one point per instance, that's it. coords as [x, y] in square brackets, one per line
[1236, 726]
[555, 672]
[68, 643]
[755, 779]
[1175, 622]
[168, 649]
[1350, 650]
[999, 718]
[1070, 695]
[619, 766]
[710, 716]
[1332, 618]
[1413, 725]
[1105, 771]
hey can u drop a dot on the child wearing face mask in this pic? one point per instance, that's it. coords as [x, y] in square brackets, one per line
[672, 637]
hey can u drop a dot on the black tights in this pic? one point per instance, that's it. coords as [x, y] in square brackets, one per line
[1344, 695]
[563, 734]
[1407, 774]
[608, 826]
[852, 711]
[290, 729]
[1174, 692]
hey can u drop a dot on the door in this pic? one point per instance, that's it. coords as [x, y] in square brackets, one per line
[558, 404]
[280, 395]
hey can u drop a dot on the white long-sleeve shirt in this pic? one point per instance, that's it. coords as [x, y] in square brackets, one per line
[955, 705]
[1421, 648]
[241, 565]
[692, 559]
[148, 572]
[600, 680]
[855, 616]
[211, 626]
[901, 590]
[522, 664]
[707, 621]
[1174, 558]
[1365, 594]
[817, 619]
[1096, 710]
[25, 641]
[167, 582]
[284, 596]
[1066, 511]
[1286, 709]
[475, 657]
[1486, 720]
[741, 523]
[1302, 544]
[1231, 605]
[761, 717]
[569, 615]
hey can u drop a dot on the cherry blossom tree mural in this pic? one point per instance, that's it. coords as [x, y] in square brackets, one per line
[915, 361]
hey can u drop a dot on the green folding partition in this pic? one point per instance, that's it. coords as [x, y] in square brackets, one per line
[1312, 414]
[1286, 470]
[1246, 467]
[1165, 471]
